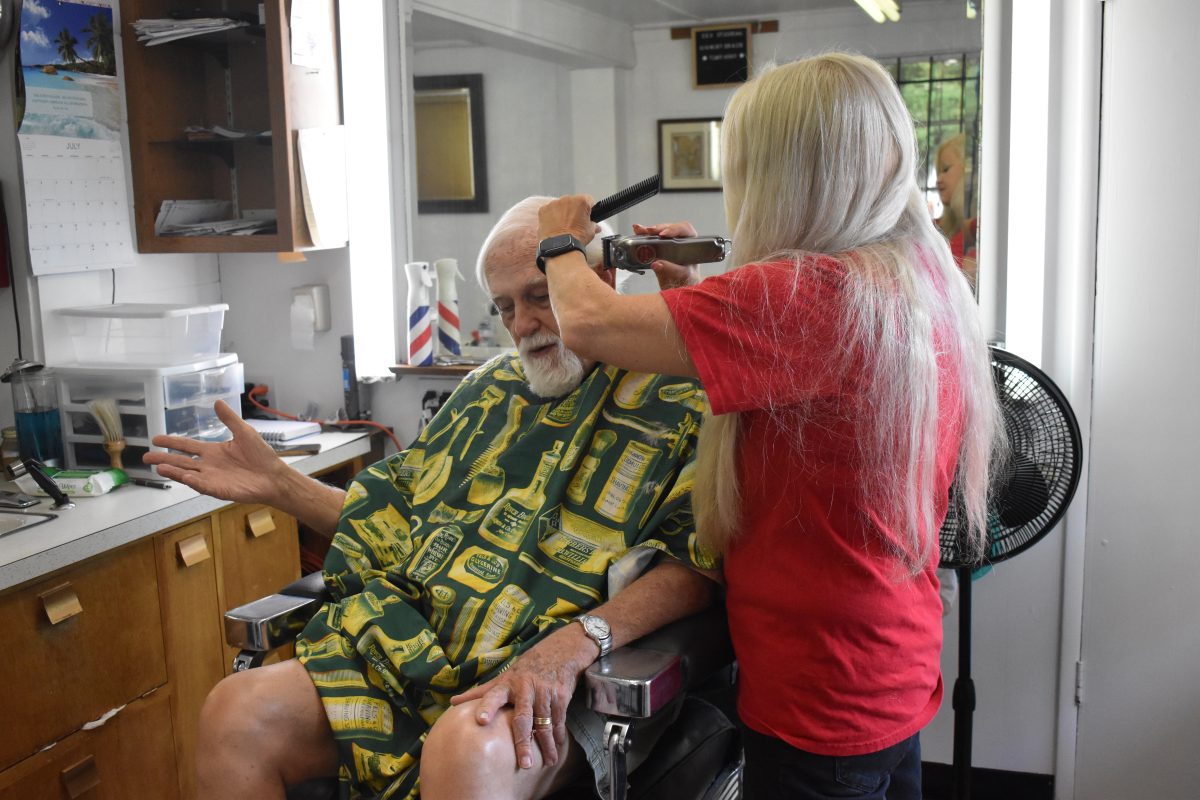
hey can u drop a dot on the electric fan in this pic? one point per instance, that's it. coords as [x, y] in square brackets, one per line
[1029, 495]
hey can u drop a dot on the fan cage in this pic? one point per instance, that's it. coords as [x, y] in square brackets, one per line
[1045, 443]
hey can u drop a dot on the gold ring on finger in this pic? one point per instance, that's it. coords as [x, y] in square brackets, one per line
[543, 722]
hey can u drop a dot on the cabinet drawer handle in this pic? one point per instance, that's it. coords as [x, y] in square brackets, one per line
[60, 603]
[260, 522]
[193, 550]
[80, 777]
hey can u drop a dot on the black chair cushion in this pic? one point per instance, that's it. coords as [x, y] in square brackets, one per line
[692, 751]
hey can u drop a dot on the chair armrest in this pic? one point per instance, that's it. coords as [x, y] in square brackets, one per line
[269, 622]
[639, 679]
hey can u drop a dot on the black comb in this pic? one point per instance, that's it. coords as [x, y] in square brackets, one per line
[630, 196]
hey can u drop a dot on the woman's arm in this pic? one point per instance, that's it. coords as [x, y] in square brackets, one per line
[632, 332]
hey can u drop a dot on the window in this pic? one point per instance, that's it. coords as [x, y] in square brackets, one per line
[942, 94]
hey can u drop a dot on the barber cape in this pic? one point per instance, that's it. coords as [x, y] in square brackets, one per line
[498, 525]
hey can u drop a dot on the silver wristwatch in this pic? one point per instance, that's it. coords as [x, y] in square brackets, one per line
[598, 631]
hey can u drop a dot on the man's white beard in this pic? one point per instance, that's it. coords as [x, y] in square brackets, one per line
[550, 375]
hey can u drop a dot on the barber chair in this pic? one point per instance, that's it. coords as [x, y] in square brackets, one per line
[698, 757]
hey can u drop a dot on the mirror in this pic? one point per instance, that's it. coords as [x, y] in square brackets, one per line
[448, 126]
[575, 92]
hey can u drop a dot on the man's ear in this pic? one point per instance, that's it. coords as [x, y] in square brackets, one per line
[609, 276]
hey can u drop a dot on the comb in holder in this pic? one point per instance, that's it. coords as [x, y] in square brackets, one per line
[630, 196]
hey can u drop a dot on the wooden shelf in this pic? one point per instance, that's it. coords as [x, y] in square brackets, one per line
[438, 370]
[244, 79]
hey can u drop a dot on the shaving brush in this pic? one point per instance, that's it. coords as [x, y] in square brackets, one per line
[108, 417]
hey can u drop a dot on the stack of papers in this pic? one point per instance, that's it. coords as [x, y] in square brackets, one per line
[209, 218]
[201, 133]
[160, 31]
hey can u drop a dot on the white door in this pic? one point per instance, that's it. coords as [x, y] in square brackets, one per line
[1139, 723]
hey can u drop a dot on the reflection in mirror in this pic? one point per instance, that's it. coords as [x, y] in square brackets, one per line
[449, 130]
[576, 91]
[942, 94]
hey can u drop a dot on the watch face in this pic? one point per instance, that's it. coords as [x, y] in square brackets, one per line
[556, 242]
[596, 627]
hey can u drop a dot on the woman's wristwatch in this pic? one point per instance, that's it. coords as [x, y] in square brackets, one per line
[598, 631]
[557, 246]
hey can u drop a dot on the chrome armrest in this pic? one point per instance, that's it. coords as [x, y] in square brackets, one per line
[269, 622]
[633, 683]
[637, 680]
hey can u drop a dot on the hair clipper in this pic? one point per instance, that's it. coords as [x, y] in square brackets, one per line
[637, 253]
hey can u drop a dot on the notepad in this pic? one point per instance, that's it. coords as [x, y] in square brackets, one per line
[283, 430]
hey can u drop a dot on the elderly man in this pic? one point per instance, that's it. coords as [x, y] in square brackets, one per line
[544, 485]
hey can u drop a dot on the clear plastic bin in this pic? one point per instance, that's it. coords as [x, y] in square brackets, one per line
[144, 333]
[175, 400]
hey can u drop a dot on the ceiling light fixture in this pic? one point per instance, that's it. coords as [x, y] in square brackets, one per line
[881, 10]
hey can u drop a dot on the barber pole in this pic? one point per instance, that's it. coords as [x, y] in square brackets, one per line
[449, 326]
[421, 280]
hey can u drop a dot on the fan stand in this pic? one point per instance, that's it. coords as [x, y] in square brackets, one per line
[964, 691]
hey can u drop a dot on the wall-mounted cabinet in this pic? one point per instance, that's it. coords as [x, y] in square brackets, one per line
[244, 80]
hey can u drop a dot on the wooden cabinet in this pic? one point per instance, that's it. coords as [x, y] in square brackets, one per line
[189, 594]
[260, 552]
[242, 79]
[110, 660]
[79, 644]
[130, 755]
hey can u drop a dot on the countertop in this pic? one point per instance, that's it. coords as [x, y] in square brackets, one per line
[98, 524]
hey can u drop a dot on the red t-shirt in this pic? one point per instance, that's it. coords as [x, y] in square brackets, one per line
[838, 648]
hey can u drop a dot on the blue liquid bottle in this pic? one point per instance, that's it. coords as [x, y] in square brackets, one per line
[35, 406]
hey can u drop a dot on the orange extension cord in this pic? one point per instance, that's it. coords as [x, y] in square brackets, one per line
[261, 389]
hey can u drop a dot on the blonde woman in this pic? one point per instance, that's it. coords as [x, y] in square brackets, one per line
[950, 160]
[848, 380]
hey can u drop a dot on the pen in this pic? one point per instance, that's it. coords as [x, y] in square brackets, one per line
[153, 484]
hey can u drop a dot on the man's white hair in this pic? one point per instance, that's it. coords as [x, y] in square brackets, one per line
[516, 234]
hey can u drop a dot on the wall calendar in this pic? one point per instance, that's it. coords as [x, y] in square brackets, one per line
[76, 201]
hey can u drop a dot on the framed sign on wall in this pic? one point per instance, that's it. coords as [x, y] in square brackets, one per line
[720, 55]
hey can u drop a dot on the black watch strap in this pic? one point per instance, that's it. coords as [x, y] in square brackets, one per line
[556, 246]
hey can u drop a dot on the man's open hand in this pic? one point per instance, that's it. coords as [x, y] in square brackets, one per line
[244, 469]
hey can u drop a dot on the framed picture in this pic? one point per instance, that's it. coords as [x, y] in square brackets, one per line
[451, 151]
[689, 154]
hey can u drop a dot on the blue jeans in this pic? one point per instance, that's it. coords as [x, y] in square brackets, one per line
[777, 771]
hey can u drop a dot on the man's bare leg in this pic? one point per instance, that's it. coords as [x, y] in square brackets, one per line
[463, 760]
[261, 731]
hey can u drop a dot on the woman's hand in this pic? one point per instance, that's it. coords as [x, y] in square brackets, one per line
[538, 684]
[671, 275]
[570, 214]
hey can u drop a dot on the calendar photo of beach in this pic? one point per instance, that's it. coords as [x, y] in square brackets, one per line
[70, 70]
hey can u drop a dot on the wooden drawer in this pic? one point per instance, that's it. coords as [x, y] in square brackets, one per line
[130, 755]
[78, 645]
[193, 631]
[260, 552]
[259, 549]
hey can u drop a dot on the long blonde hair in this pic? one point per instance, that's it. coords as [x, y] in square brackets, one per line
[954, 213]
[819, 156]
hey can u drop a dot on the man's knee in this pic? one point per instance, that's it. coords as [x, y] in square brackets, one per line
[267, 709]
[457, 741]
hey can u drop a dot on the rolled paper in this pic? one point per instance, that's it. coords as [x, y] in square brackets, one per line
[421, 280]
[449, 325]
